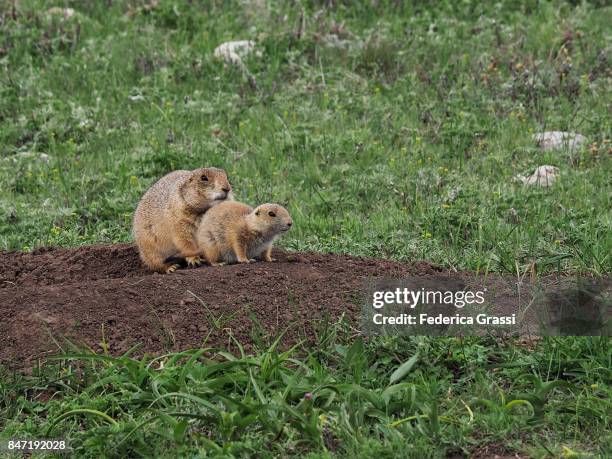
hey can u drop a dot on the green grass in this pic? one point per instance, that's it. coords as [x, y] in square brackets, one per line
[391, 397]
[403, 144]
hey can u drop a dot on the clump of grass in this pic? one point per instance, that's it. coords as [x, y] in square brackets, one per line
[403, 396]
[380, 57]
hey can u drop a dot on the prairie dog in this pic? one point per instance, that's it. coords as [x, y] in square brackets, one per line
[165, 220]
[233, 232]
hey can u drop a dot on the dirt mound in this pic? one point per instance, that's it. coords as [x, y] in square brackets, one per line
[101, 297]
[101, 294]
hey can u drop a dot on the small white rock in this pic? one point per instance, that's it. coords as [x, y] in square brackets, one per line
[42, 157]
[233, 51]
[552, 140]
[543, 176]
[333, 41]
[67, 13]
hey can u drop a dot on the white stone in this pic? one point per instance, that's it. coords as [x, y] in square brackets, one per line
[552, 140]
[543, 176]
[333, 41]
[233, 51]
[67, 13]
[42, 157]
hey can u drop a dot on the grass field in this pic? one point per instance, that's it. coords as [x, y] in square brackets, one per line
[404, 145]
[388, 129]
[386, 398]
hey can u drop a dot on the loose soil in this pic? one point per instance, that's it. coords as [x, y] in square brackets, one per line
[101, 296]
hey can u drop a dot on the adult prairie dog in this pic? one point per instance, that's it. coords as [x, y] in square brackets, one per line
[233, 232]
[166, 218]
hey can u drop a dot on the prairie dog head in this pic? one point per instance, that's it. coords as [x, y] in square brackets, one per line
[206, 187]
[270, 219]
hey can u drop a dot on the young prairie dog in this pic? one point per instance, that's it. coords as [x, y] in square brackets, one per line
[233, 232]
[166, 218]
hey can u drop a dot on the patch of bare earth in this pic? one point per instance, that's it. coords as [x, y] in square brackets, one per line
[101, 294]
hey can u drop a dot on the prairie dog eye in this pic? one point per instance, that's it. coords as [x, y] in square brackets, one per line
[271, 214]
[204, 178]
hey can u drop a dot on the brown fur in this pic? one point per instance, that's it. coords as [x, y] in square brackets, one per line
[233, 232]
[166, 218]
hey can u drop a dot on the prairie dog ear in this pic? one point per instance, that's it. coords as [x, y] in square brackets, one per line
[257, 212]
